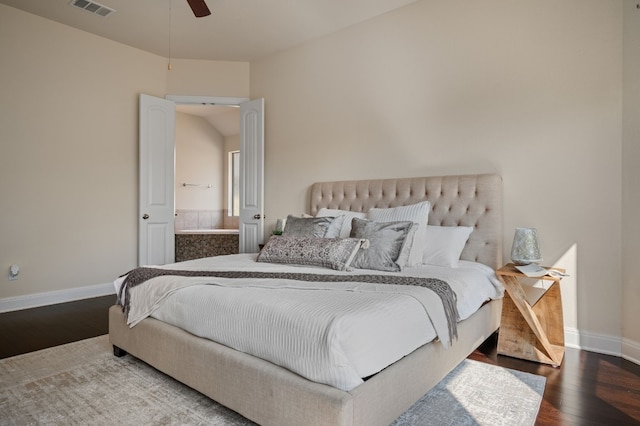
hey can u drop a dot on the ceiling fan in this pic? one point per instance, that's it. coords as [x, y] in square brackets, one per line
[199, 8]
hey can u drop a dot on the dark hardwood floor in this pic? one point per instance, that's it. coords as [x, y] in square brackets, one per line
[29, 330]
[588, 389]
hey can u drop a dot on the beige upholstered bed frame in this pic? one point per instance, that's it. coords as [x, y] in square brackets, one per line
[271, 395]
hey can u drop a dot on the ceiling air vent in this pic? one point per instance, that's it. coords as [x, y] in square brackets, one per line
[92, 7]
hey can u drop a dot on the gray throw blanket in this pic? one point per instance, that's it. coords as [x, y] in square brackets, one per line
[441, 288]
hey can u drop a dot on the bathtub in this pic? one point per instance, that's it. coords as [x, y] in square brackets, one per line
[198, 243]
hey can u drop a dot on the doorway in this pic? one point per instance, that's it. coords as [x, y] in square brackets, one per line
[206, 137]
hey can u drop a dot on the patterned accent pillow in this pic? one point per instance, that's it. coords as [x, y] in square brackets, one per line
[332, 253]
[306, 226]
[386, 241]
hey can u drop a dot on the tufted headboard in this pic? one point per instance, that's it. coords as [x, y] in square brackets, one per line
[464, 200]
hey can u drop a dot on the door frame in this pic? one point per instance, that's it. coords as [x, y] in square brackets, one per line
[249, 242]
[206, 100]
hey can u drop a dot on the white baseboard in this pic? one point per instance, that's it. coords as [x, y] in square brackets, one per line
[631, 351]
[592, 342]
[52, 297]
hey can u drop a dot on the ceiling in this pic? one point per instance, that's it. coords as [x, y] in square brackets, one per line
[236, 30]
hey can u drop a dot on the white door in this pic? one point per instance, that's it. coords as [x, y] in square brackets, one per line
[156, 241]
[251, 175]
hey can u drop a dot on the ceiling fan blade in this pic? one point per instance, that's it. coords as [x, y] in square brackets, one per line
[199, 8]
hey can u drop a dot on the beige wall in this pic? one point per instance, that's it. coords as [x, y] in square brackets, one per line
[200, 159]
[69, 149]
[631, 182]
[529, 90]
[68, 173]
[208, 78]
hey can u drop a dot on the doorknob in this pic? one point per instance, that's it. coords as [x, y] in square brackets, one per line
[145, 216]
[257, 216]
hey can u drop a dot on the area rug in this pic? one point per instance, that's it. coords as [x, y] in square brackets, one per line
[83, 383]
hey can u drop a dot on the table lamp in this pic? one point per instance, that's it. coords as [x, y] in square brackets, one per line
[525, 248]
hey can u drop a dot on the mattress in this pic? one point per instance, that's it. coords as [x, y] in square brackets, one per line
[320, 332]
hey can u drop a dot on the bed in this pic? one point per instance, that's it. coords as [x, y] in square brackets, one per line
[269, 394]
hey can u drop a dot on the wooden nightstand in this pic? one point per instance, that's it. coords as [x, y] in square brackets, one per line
[532, 326]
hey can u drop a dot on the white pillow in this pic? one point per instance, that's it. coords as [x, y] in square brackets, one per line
[347, 216]
[417, 213]
[444, 245]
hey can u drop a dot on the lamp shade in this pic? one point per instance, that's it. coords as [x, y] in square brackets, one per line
[526, 247]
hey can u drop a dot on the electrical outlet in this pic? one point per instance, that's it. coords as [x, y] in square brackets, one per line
[14, 270]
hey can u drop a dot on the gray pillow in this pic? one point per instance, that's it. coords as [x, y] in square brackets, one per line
[333, 231]
[386, 240]
[333, 253]
[306, 226]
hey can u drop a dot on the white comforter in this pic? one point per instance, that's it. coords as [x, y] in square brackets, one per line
[332, 333]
